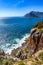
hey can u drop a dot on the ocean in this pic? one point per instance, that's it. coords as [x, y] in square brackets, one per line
[14, 31]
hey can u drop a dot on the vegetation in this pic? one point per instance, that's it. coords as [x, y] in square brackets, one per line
[41, 57]
[39, 25]
[31, 60]
[21, 63]
[7, 61]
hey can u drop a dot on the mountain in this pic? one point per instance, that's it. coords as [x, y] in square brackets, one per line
[34, 14]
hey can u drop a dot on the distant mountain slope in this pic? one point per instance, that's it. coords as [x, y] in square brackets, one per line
[34, 14]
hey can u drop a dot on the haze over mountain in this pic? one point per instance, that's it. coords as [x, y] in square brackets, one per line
[34, 14]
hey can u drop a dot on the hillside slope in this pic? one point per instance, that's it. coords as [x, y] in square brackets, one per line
[30, 53]
[33, 14]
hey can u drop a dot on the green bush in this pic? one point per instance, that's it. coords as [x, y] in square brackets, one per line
[41, 55]
[21, 63]
[8, 63]
[39, 25]
[1, 62]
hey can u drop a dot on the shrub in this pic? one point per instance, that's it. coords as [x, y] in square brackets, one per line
[41, 55]
[21, 63]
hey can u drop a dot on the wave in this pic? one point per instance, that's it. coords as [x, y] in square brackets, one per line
[20, 41]
[9, 47]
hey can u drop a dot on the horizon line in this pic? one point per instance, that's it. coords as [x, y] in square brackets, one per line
[18, 15]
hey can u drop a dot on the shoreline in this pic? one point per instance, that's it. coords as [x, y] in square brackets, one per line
[15, 46]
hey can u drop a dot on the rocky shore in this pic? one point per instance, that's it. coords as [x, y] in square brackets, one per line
[32, 45]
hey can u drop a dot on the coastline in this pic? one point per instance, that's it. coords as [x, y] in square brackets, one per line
[28, 53]
[19, 44]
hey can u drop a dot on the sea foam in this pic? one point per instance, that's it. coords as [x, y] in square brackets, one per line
[9, 47]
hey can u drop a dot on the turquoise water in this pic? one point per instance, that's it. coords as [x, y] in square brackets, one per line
[14, 30]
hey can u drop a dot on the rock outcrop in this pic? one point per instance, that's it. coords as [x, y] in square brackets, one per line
[30, 53]
[21, 52]
[35, 40]
[32, 44]
[2, 52]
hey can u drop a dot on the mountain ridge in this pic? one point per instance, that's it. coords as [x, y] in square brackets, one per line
[33, 14]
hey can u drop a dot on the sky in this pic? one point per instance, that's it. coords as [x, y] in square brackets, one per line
[19, 7]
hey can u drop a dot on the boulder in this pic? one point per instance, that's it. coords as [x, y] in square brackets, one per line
[2, 52]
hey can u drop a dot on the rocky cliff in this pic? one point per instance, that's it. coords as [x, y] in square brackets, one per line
[32, 44]
[30, 53]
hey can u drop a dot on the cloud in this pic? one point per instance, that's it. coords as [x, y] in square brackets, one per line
[19, 2]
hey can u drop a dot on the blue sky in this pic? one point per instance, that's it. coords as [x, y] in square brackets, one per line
[19, 7]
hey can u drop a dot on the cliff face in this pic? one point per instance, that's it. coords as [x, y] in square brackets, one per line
[32, 44]
[30, 53]
[35, 41]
